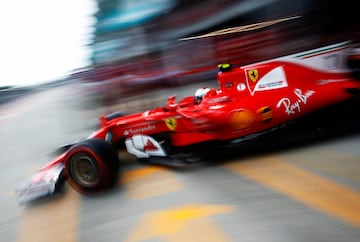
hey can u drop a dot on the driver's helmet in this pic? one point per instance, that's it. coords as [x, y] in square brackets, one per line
[200, 93]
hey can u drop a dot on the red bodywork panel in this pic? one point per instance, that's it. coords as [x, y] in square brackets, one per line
[250, 99]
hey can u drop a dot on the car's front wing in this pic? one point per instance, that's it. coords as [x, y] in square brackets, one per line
[43, 183]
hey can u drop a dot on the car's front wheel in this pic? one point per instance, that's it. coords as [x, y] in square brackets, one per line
[92, 166]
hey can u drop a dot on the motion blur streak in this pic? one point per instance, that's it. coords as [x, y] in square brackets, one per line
[304, 186]
[149, 182]
[54, 221]
[242, 28]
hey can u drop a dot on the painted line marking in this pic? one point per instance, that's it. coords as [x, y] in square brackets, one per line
[55, 221]
[336, 163]
[149, 182]
[304, 186]
[190, 222]
[132, 175]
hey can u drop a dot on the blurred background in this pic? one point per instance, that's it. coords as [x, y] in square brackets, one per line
[141, 45]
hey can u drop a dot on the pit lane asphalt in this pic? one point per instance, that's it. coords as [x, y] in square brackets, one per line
[308, 192]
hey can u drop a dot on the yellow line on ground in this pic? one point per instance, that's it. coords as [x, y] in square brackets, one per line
[55, 221]
[190, 222]
[304, 186]
[135, 174]
[148, 182]
[331, 161]
[152, 185]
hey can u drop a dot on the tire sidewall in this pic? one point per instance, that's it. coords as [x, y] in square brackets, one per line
[106, 161]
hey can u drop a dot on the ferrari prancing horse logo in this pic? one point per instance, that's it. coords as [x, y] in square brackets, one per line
[171, 123]
[253, 74]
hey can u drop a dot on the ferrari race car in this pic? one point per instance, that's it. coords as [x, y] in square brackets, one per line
[251, 101]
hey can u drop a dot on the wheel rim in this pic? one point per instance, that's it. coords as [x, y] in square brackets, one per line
[84, 170]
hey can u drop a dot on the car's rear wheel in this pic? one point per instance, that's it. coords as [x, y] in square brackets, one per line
[92, 166]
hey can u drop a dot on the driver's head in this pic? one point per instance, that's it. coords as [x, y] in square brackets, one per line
[200, 93]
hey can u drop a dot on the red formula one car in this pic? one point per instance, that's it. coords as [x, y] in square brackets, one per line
[251, 101]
